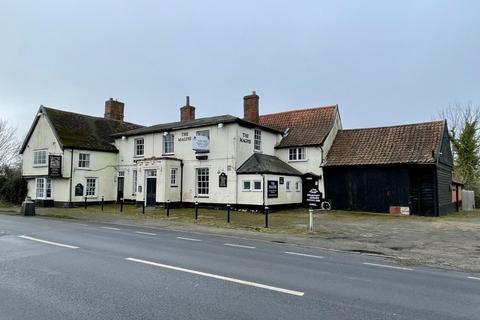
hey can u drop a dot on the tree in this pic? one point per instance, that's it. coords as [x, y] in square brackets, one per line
[13, 188]
[9, 144]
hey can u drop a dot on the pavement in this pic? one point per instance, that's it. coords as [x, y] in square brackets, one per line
[67, 269]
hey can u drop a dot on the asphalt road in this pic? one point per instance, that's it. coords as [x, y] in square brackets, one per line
[59, 269]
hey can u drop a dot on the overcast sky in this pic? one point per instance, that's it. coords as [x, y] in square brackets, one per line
[382, 62]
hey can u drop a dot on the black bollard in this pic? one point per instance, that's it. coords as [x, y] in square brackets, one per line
[266, 217]
[228, 213]
[102, 202]
[85, 202]
[168, 208]
[143, 206]
[121, 205]
[196, 210]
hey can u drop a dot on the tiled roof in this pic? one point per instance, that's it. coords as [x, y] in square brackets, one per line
[305, 126]
[262, 163]
[80, 131]
[413, 143]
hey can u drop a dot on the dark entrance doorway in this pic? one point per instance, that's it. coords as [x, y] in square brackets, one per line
[309, 181]
[151, 191]
[120, 188]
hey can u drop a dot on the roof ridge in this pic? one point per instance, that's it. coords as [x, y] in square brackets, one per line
[301, 109]
[397, 125]
[90, 116]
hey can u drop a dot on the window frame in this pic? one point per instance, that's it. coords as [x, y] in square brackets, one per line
[295, 152]
[95, 194]
[199, 189]
[249, 185]
[288, 186]
[174, 177]
[134, 181]
[261, 186]
[88, 161]
[136, 145]
[298, 187]
[35, 152]
[46, 186]
[257, 140]
[168, 143]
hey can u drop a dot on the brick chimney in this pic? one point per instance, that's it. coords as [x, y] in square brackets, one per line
[250, 107]
[187, 112]
[114, 110]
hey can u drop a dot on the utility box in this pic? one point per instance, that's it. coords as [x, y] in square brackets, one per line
[28, 207]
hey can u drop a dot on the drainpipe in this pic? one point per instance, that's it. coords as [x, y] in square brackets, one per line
[71, 178]
[264, 187]
[181, 182]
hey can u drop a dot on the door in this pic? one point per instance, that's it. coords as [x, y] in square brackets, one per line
[151, 191]
[120, 188]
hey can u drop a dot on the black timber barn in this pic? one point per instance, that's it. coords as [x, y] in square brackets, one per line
[375, 169]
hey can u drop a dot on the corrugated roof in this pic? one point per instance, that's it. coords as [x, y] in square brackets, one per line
[412, 143]
[305, 126]
[262, 163]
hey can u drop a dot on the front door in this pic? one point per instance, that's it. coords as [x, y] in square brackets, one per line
[120, 188]
[151, 191]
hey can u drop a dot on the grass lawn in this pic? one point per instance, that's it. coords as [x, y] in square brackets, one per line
[8, 207]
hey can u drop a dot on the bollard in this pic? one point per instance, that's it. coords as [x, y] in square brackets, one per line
[228, 213]
[310, 226]
[85, 202]
[102, 202]
[143, 206]
[121, 205]
[196, 210]
[168, 208]
[266, 217]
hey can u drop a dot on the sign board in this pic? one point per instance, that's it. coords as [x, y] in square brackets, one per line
[272, 189]
[222, 180]
[54, 166]
[79, 190]
[200, 143]
[314, 197]
[281, 180]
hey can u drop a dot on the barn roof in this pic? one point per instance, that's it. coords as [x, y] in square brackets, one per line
[262, 163]
[79, 131]
[306, 127]
[412, 143]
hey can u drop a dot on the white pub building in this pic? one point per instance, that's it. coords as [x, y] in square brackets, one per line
[258, 160]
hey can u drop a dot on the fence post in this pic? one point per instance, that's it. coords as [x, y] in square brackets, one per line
[168, 208]
[196, 210]
[228, 213]
[85, 202]
[121, 205]
[143, 206]
[266, 217]
[310, 225]
[102, 202]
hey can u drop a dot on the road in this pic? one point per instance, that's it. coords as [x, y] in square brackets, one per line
[62, 269]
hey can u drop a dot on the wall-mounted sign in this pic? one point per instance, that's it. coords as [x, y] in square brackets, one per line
[184, 137]
[222, 180]
[200, 143]
[245, 138]
[281, 180]
[314, 197]
[54, 166]
[272, 189]
[79, 190]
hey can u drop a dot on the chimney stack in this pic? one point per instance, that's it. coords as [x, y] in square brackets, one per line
[250, 107]
[114, 110]
[187, 112]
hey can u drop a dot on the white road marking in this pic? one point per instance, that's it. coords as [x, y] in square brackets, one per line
[304, 255]
[48, 242]
[83, 224]
[386, 266]
[188, 239]
[147, 233]
[210, 275]
[110, 228]
[238, 246]
[474, 278]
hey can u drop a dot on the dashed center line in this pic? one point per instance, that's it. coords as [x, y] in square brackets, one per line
[189, 239]
[387, 266]
[304, 255]
[238, 246]
[110, 228]
[473, 278]
[48, 242]
[210, 275]
[146, 233]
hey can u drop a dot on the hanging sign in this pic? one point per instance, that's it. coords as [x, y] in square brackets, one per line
[79, 190]
[200, 143]
[54, 166]
[222, 180]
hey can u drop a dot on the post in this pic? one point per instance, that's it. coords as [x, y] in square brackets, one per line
[266, 217]
[228, 213]
[196, 210]
[103, 199]
[85, 202]
[121, 205]
[310, 225]
[168, 208]
[143, 206]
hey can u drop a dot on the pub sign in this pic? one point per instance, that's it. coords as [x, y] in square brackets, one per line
[272, 189]
[54, 166]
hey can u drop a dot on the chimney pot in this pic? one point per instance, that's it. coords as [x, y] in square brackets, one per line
[250, 107]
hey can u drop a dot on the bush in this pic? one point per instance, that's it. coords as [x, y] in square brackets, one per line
[13, 188]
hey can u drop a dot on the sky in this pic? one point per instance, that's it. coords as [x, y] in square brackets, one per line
[382, 62]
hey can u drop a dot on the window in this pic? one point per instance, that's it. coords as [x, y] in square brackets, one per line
[297, 186]
[40, 157]
[168, 140]
[257, 185]
[205, 133]
[173, 177]
[91, 189]
[121, 174]
[295, 154]
[84, 160]
[257, 141]
[247, 186]
[287, 186]
[134, 181]
[43, 188]
[139, 147]
[203, 181]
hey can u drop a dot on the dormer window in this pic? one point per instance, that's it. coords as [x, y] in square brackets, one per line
[168, 143]
[139, 147]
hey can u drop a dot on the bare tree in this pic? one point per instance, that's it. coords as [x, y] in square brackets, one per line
[459, 115]
[9, 144]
